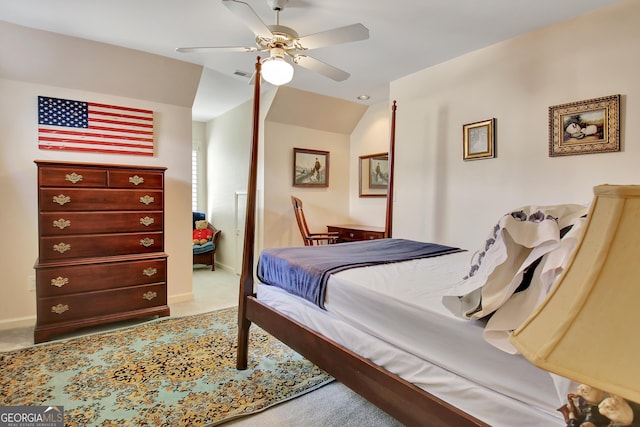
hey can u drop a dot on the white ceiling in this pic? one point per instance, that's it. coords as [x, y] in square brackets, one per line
[405, 36]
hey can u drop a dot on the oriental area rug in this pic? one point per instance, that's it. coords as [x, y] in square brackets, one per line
[166, 372]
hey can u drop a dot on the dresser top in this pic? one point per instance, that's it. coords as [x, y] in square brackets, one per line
[359, 227]
[96, 165]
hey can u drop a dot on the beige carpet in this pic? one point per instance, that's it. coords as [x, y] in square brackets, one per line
[332, 405]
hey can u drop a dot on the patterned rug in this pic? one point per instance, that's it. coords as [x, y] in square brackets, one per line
[167, 372]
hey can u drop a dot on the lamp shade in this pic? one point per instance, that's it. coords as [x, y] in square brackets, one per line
[277, 71]
[587, 327]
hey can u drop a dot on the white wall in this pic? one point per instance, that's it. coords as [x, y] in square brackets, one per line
[199, 143]
[165, 86]
[322, 205]
[228, 148]
[441, 198]
[228, 144]
[371, 136]
[18, 150]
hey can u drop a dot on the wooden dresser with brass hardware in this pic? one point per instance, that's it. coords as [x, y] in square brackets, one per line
[101, 245]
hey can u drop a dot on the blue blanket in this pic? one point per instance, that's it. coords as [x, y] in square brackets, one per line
[304, 271]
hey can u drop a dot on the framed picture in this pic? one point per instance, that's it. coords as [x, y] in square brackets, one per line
[310, 168]
[583, 127]
[374, 175]
[478, 140]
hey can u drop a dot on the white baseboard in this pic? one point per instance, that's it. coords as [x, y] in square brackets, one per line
[30, 321]
[173, 299]
[19, 322]
[225, 267]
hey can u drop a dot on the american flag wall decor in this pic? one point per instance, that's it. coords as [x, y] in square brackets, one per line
[65, 124]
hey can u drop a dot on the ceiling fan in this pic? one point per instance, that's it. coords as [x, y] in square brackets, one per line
[283, 42]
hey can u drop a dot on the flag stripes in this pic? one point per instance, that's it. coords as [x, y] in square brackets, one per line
[85, 126]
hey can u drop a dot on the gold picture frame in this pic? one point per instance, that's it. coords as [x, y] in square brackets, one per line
[479, 141]
[585, 127]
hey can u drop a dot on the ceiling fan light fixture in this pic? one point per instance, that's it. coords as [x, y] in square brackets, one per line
[275, 69]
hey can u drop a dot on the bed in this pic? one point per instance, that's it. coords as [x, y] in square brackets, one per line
[421, 350]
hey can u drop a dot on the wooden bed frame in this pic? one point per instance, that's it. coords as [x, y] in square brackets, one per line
[404, 401]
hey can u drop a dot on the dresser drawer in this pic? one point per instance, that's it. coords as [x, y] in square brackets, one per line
[99, 245]
[85, 305]
[66, 199]
[62, 280]
[347, 234]
[50, 176]
[352, 233]
[372, 235]
[135, 179]
[65, 223]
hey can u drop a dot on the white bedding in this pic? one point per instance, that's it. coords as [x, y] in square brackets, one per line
[393, 315]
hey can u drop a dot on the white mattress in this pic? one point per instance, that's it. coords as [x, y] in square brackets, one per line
[392, 315]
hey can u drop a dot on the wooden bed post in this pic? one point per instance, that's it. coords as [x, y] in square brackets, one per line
[246, 276]
[392, 156]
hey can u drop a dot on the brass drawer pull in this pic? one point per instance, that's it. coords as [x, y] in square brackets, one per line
[61, 199]
[135, 180]
[60, 308]
[62, 247]
[60, 281]
[149, 295]
[73, 178]
[150, 271]
[147, 199]
[61, 223]
[146, 242]
[147, 221]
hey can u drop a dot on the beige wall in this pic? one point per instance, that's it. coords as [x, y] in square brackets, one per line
[322, 205]
[438, 196]
[23, 48]
[62, 61]
[228, 148]
[441, 198]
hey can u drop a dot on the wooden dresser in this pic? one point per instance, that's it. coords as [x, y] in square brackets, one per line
[355, 232]
[101, 245]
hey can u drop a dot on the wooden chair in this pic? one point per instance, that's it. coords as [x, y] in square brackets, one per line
[310, 239]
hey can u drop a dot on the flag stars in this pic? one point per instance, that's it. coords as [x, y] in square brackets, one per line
[62, 112]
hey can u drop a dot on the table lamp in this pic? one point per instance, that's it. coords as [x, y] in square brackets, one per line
[587, 328]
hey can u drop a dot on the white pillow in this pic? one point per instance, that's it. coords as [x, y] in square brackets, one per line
[519, 238]
[520, 305]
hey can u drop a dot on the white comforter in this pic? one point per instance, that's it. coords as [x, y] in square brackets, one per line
[401, 304]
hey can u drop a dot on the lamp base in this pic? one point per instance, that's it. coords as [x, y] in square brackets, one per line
[589, 407]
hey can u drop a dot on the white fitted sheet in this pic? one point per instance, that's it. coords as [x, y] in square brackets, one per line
[392, 315]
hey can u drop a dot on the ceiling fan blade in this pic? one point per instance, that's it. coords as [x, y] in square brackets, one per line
[350, 33]
[321, 68]
[243, 11]
[205, 49]
[252, 80]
